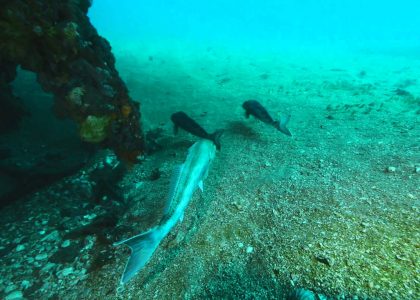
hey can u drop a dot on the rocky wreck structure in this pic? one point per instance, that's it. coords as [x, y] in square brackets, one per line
[55, 39]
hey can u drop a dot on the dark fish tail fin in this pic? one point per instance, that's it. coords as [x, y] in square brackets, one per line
[142, 248]
[282, 125]
[215, 137]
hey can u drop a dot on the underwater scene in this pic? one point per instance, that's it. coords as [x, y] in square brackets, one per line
[225, 149]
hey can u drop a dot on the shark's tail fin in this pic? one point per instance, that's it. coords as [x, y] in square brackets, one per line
[142, 248]
[215, 137]
[281, 125]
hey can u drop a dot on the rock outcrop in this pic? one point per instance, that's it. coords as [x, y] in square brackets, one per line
[55, 39]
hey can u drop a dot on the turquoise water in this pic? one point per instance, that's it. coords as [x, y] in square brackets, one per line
[261, 24]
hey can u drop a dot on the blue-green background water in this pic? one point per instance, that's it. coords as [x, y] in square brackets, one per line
[261, 24]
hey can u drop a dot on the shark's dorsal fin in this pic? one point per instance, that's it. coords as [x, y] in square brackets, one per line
[176, 176]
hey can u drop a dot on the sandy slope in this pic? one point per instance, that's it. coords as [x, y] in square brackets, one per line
[318, 210]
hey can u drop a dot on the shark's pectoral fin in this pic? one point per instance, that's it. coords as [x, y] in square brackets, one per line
[201, 185]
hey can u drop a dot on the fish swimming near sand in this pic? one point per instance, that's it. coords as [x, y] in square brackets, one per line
[182, 120]
[186, 178]
[253, 107]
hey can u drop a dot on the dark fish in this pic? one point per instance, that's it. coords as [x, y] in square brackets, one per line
[253, 107]
[182, 120]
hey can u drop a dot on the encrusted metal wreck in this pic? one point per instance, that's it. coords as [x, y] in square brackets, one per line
[55, 39]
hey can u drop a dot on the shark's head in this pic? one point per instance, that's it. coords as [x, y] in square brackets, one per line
[209, 148]
[206, 148]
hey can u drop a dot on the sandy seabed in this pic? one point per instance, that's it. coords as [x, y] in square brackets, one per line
[333, 209]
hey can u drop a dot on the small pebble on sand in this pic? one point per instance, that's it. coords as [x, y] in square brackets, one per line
[14, 295]
[65, 244]
[391, 169]
[41, 256]
[20, 248]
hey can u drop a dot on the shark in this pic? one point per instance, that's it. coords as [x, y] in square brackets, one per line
[185, 180]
